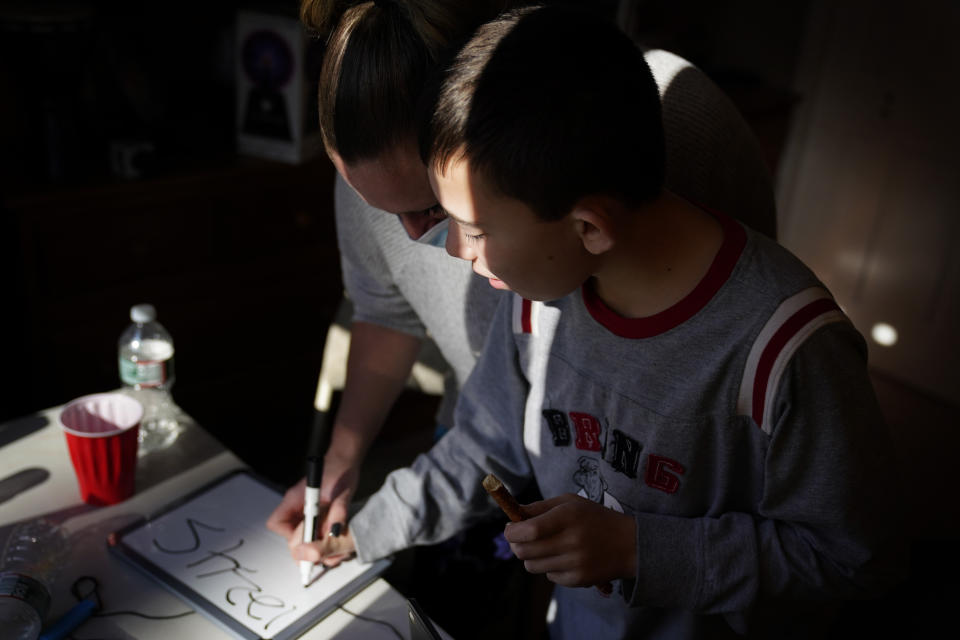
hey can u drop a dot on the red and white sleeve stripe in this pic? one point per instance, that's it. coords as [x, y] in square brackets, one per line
[525, 315]
[791, 324]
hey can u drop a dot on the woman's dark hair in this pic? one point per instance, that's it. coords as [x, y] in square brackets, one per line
[550, 105]
[379, 59]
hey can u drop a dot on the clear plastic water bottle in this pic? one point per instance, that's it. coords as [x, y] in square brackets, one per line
[31, 558]
[146, 369]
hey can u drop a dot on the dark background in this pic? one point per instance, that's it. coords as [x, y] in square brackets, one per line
[237, 254]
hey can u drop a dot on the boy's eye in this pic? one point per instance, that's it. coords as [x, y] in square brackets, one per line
[474, 238]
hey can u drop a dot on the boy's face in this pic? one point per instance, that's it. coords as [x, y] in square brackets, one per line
[505, 240]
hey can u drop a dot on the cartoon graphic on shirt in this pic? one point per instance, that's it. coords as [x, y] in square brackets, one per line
[592, 485]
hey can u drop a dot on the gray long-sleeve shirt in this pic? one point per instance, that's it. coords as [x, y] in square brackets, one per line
[738, 428]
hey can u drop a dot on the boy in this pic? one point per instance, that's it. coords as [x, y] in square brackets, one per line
[690, 401]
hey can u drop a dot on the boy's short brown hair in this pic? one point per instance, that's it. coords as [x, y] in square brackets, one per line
[550, 105]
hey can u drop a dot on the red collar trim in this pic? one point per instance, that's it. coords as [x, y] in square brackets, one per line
[734, 240]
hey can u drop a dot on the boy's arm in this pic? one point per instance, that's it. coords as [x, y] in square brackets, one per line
[441, 492]
[828, 524]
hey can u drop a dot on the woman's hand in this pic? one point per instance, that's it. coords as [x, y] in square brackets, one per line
[328, 549]
[289, 513]
[340, 477]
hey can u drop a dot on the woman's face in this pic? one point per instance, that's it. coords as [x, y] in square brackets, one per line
[395, 182]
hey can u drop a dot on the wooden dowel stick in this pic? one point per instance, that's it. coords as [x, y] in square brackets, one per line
[503, 497]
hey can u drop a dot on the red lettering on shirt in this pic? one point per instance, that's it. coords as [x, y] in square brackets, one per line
[658, 476]
[588, 431]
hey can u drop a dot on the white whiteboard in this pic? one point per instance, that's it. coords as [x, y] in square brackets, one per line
[214, 550]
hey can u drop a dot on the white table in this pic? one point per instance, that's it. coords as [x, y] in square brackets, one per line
[33, 451]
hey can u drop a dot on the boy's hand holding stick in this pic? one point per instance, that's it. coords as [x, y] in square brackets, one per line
[514, 511]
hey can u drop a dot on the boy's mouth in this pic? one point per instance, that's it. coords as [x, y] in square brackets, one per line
[497, 283]
[483, 273]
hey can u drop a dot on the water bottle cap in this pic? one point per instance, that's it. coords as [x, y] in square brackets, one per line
[143, 313]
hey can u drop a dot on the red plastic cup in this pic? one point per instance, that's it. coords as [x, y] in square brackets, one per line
[101, 432]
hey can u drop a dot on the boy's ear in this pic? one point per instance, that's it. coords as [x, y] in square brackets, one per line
[594, 225]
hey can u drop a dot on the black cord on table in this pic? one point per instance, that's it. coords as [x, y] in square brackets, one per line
[366, 619]
[87, 587]
[142, 615]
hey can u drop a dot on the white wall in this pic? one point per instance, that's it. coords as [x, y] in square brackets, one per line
[869, 187]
